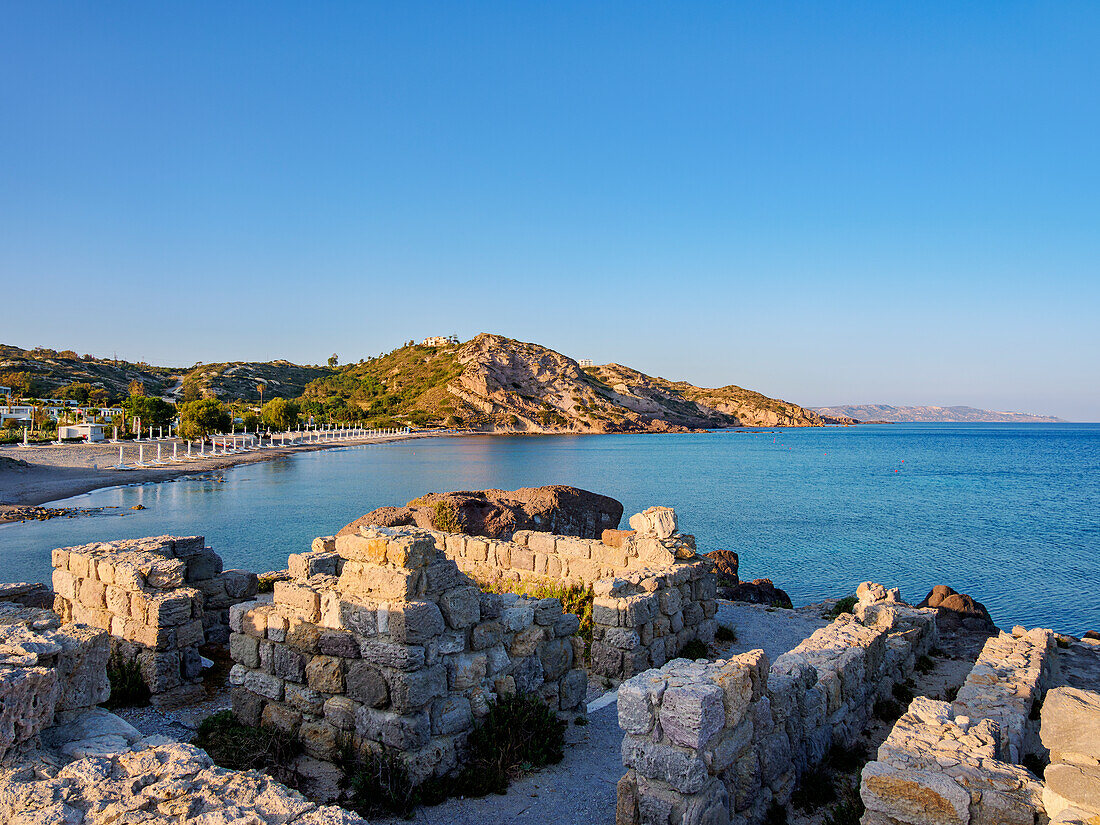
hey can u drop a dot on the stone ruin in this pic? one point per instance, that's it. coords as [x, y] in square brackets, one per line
[159, 598]
[718, 742]
[378, 640]
[652, 593]
[49, 671]
[1070, 730]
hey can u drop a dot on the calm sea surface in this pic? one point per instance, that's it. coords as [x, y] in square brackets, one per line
[1007, 513]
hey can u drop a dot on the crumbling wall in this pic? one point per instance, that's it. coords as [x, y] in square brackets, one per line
[644, 619]
[159, 598]
[960, 761]
[46, 668]
[379, 640]
[1071, 732]
[717, 742]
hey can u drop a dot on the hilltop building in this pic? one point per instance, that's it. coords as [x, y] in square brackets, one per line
[441, 341]
[586, 362]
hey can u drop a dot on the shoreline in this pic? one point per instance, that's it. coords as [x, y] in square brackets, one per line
[41, 482]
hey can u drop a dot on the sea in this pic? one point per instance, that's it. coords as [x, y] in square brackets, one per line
[1008, 513]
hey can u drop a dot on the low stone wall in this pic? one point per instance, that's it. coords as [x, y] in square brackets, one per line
[379, 640]
[46, 668]
[1071, 731]
[155, 783]
[717, 742]
[159, 598]
[644, 619]
[959, 762]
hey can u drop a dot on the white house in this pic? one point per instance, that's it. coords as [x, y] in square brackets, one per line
[16, 412]
[586, 362]
[441, 341]
[89, 432]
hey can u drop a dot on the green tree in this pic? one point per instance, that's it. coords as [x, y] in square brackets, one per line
[250, 420]
[333, 360]
[99, 397]
[77, 392]
[203, 417]
[153, 412]
[280, 414]
[137, 388]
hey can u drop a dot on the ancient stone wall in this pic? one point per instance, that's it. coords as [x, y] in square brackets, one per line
[1071, 732]
[960, 761]
[717, 742]
[46, 668]
[644, 619]
[379, 640]
[159, 598]
[652, 593]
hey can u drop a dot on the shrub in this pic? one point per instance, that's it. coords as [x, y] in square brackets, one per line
[845, 605]
[445, 517]
[847, 811]
[519, 734]
[694, 649]
[575, 598]
[128, 688]
[725, 633]
[232, 744]
[925, 665]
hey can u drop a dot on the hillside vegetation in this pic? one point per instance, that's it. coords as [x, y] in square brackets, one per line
[490, 383]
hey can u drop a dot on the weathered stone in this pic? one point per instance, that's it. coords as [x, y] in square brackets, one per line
[365, 683]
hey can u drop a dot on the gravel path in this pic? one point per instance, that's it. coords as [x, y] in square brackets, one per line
[772, 628]
[580, 790]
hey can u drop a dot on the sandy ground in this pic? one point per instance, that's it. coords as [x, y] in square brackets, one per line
[60, 471]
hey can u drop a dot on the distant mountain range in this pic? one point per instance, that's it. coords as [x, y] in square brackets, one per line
[885, 412]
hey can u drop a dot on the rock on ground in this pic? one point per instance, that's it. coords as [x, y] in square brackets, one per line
[566, 511]
[957, 609]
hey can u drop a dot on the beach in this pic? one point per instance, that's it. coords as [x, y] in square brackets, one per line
[58, 471]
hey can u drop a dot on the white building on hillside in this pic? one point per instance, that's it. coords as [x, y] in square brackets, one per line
[441, 341]
[586, 362]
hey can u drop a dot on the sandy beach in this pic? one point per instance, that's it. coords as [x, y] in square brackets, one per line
[57, 471]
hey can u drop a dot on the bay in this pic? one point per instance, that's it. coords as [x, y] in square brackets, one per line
[1007, 513]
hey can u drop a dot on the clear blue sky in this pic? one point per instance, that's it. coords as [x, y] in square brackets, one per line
[828, 202]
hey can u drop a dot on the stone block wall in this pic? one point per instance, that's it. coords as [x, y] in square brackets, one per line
[717, 742]
[1071, 732]
[379, 640]
[960, 761]
[652, 592]
[46, 668]
[159, 598]
[644, 619]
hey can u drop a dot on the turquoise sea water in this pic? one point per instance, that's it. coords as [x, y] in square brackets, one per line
[1007, 513]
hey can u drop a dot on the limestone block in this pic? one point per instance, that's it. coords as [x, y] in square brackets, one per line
[692, 714]
[461, 606]
[523, 559]
[682, 770]
[477, 550]
[366, 684]
[639, 702]
[412, 552]
[303, 636]
[566, 624]
[912, 796]
[451, 714]
[655, 521]
[323, 544]
[485, 635]
[466, 670]
[361, 548]
[526, 641]
[244, 649]
[305, 699]
[583, 570]
[1070, 726]
[81, 667]
[264, 684]
[203, 565]
[325, 674]
[405, 732]
[338, 643]
[302, 599]
[386, 654]
[189, 634]
[165, 574]
[541, 543]
[289, 664]
[385, 583]
[415, 622]
[240, 584]
[359, 618]
[340, 712]
[1072, 786]
[556, 656]
[517, 618]
[281, 717]
[318, 739]
[93, 593]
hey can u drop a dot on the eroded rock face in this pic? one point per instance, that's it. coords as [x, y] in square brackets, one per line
[957, 610]
[758, 591]
[726, 563]
[557, 508]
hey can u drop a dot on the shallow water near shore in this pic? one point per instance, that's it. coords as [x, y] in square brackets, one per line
[1007, 513]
